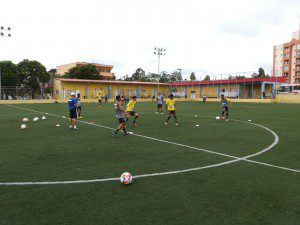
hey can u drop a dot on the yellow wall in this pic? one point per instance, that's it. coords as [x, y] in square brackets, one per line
[247, 89]
[288, 98]
[210, 91]
[94, 88]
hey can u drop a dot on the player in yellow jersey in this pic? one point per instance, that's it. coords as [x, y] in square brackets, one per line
[225, 102]
[170, 106]
[130, 112]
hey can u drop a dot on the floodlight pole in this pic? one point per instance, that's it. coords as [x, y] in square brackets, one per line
[4, 32]
[159, 52]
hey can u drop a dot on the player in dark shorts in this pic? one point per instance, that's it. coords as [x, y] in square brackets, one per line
[159, 103]
[204, 100]
[225, 102]
[170, 106]
[72, 103]
[78, 106]
[131, 112]
[120, 116]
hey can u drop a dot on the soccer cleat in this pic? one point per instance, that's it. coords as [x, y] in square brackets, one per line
[176, 124]
[162, 113]
[114, 134]
[70, 127]
[166, 123]
[125, 133]
[80, 117]
[76, 128]
[227, 120]
[135, 125]
[157, 113]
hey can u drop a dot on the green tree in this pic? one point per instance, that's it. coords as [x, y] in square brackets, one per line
[261, 72]
[139, 75]
[114, 77]
[175, 76]
[87, 72]
[240, 77]
[165, 77]
[32, 74]
[207, 78]
[192, 76]
[9, 73]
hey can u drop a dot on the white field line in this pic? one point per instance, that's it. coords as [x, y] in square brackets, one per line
[252, 107]
[235, 159]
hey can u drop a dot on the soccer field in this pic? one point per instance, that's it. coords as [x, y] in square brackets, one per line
[219, 172]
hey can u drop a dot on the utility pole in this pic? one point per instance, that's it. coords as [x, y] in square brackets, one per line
[159, 52]
[4, 32]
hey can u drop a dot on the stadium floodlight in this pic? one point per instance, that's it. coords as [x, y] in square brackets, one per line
[5, 32]
[159, 52]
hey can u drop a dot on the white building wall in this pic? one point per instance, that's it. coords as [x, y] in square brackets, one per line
[293, 61]
[296, 35]
[278, 60]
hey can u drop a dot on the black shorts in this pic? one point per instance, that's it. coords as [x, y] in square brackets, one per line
[225, 108]
[159, 105]
[73, 113]
[131, 113]
[99, 100]
[121, 120]
[79, 107]
[172, 112]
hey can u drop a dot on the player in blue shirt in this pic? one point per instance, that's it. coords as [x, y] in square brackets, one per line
[72, 103]
[204, 100]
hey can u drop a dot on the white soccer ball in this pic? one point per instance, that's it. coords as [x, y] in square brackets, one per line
[44, 117]
[126, 178]
[25, 120]
[217, 118]
[35, 119]
[23, 126]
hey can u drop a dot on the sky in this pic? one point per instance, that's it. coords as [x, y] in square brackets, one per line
[205, 37]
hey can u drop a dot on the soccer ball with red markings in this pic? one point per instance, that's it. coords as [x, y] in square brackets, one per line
[126, 178]
[25, 120]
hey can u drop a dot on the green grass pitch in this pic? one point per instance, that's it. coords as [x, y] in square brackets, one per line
[238, 193]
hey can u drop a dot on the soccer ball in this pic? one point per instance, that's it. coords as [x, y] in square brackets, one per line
[35, 119]
[217, 118]
[44, 117]
[25, 120]
[23, 126]
[126, 178]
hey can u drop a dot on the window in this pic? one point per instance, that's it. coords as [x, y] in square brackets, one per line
[285, 68]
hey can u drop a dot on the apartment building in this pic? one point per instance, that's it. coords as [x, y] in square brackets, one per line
[104, 70]
[286, 60]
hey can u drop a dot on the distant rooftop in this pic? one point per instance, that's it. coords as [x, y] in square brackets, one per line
[84, 63]
[232, 81]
